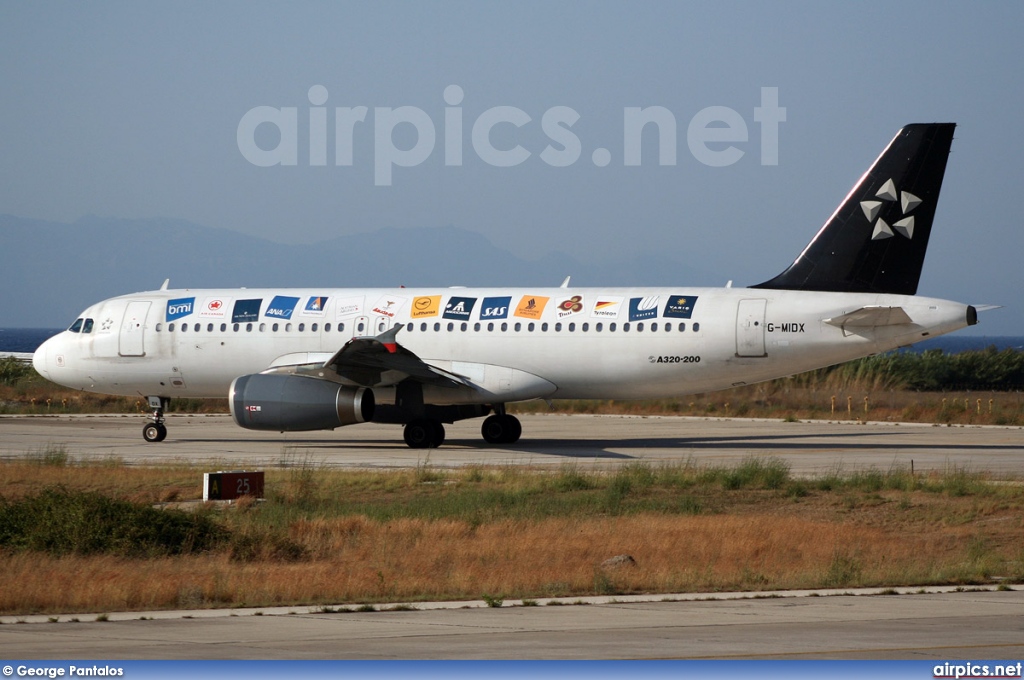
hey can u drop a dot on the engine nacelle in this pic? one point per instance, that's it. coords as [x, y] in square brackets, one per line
[290, 403]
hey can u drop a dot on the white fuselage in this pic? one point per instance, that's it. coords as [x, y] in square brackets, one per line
[613, 343]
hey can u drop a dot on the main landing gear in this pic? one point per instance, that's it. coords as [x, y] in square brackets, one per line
[501, 428]
[155, 430]
[428, 433]
[424, 433]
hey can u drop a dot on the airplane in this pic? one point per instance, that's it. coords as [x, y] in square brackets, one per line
[322, 358]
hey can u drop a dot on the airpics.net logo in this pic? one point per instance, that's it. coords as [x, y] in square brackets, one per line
[714, 135]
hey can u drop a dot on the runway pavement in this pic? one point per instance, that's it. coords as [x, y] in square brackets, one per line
[940, 626]
[810, 448]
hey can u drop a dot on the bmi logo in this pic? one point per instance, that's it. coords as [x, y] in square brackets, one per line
[179, 308]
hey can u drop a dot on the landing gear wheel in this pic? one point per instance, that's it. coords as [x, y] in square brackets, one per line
[424, 433]
[501, 429]
[154, 432]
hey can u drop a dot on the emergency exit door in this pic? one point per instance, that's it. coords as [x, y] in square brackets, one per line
[750, 328]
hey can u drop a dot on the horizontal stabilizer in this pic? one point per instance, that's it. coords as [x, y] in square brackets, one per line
[871, 317]
[986, 308]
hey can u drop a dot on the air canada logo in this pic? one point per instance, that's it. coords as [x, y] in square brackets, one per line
[872, 209]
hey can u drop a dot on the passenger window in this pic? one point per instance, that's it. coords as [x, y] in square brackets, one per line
[611, 327]
[585, 327]
[302, 327]
[327, 328]
[437, 327]
[572, 327]
[263, 327]
[423, 326]
[314, 327]
[274, 328]
[197, 328]
[696, 326]
[341, 327]
[234, 328]
[598, 327]
[640, 327]
[248, 328]
[465, 326]
[209, 328]
[184, 327]
[490, 326]
[76, 327]
[544, 327]
[504, 327]
[682, 326]
[654, 326]
[476, 326]
[625, 327]
[223, 328]
[530, 327]
[362, 326]
[170, 328]
[451, 326]
[518, 327]
[558, 327]
[87, 328]
[159, 327]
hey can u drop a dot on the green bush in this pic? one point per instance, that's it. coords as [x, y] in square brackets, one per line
[62, 522]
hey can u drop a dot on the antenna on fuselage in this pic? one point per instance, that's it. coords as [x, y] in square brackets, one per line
[165, 284]
[565, 284]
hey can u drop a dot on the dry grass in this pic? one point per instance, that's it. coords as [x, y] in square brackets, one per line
[303, 550]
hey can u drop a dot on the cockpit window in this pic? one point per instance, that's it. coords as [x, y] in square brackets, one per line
[76, 327]
[87, 328]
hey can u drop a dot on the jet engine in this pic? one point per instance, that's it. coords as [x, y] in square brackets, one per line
[288, 403]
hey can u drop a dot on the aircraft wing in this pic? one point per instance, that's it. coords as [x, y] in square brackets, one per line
[371, 361]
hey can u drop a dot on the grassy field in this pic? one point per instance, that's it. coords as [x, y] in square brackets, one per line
[78, 537]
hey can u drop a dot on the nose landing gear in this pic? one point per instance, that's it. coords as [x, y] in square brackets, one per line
[155, 430]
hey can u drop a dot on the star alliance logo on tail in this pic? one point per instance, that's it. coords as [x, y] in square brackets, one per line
[888, 193]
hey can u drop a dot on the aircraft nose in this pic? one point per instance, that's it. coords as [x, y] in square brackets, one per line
[39, 360]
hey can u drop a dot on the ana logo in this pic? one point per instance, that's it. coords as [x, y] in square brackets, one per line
[495, 308]
[872, 209]
[281, 307]
[459, 308]
[179, 308]
[573, 305]
[679, 306]
[643, 308]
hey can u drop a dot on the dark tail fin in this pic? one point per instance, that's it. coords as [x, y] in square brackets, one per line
[875, 241]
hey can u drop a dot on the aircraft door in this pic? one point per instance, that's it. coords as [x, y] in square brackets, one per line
[750, 328]
[133, 325]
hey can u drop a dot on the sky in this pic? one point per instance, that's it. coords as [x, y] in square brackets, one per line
[512, 120]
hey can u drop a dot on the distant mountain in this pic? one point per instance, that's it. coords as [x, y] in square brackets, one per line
[50, 271]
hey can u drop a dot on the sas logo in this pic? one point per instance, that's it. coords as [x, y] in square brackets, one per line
[281, 307]
[573, 305]
[495, 308]
[428, 305]
[179, 308]
[531, 306]
[315, 306]
[459, 308]
[606, 307]
[680, 306]
[643, 308]
[246, 311]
